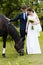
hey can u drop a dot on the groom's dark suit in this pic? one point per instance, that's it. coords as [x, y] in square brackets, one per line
[22, 24]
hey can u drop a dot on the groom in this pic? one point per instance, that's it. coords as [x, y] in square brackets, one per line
[23, 19]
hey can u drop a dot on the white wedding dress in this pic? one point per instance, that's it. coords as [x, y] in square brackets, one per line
[38, 25]
[32, 42]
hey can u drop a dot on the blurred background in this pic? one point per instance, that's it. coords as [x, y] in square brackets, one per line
[11, 8]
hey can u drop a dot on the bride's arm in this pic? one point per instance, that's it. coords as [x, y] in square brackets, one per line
[37, 18]
[37, 21]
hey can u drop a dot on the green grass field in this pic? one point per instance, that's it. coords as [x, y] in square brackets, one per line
[13, 58]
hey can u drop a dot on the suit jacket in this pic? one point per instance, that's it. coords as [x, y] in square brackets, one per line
[22, 21]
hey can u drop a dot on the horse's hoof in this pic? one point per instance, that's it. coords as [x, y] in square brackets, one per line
[3, 55]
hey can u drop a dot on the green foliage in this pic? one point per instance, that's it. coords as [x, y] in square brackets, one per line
[11, 8]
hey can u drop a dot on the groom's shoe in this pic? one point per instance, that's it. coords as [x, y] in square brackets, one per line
[4, 55]
[26, 51]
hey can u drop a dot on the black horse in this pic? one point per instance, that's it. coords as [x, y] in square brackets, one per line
[7, 28]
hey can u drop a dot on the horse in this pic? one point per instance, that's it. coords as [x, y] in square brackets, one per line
[7, 28]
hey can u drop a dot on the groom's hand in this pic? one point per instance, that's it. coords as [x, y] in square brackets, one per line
[12, 20]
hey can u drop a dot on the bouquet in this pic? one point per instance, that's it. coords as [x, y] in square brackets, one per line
[31, 21]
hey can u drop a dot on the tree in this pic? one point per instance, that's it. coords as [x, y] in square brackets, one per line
[8, 6]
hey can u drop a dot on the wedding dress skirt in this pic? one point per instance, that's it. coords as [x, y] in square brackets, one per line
[32, 42]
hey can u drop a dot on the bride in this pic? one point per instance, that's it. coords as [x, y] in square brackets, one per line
[32, 28]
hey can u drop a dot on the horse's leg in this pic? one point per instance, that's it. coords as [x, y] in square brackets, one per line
[4, 44]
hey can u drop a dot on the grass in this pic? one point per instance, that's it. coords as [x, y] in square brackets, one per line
[13, 58]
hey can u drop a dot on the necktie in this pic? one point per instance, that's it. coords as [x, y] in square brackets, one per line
[24, 15]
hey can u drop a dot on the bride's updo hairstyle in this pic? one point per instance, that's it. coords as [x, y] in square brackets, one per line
[30, 9]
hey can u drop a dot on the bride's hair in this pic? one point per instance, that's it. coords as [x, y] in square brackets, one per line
[30, 9]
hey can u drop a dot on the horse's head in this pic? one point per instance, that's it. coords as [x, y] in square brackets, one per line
[19, 47]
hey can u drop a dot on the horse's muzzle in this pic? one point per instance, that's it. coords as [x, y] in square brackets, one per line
[19, 47]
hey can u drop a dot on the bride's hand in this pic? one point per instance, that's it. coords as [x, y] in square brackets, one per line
[26, 30]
